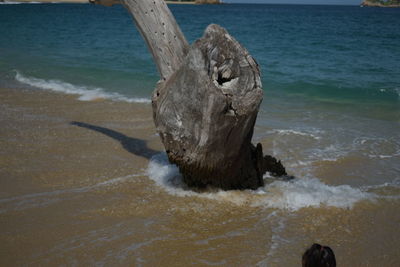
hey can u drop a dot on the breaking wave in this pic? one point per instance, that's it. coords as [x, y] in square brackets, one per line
[287, 195]
[293, 132]
[86, 93]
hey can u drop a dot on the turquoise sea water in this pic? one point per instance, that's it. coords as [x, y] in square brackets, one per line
[331, 74]
[340, 54]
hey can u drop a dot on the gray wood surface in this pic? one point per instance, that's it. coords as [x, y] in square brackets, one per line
[206, 103]
[205, 114]
[162, 34]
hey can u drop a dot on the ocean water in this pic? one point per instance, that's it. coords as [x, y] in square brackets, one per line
[331, 113]
[330, 73]
[330, 54]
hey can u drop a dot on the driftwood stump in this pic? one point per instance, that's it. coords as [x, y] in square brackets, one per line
[206, 103]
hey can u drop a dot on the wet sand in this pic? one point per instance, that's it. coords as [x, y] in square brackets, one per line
[74, 190]
[42, 144]
[45, 158]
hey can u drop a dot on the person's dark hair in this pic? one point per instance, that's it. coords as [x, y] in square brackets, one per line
[319, 256]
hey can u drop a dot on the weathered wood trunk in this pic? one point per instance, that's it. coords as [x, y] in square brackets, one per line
[206, 103]
[162, 34]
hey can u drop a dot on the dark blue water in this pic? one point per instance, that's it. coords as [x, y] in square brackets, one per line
[337, 53]
[331, 74]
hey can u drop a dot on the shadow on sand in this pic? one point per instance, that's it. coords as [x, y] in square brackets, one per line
[133, 145]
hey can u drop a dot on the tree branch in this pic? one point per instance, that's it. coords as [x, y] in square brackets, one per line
[162, 34]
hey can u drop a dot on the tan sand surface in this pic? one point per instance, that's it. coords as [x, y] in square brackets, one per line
[74, 191]
[41, 144]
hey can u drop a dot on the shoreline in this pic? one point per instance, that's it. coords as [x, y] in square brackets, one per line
[367, 3]
[41, 138]
[181, 2]
[74, 172]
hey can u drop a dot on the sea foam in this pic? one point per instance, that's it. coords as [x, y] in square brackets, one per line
[286, 195]
[86, 93]
[397, 90]
[295, 132]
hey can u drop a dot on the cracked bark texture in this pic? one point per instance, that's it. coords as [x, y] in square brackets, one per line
[206, 103]
[206, 111]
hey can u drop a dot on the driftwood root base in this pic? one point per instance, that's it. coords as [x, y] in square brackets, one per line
[205, 114]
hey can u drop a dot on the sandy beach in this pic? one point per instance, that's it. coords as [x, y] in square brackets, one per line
[39, 135]
[75, 190]
[84, 180]
[45, 156]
